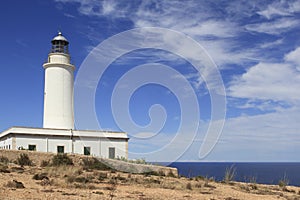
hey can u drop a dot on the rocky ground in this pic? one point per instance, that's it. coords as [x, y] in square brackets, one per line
[92, 181]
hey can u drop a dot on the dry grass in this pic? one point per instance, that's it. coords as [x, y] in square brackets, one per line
[63, 171]
[229, 174]
[83, 182]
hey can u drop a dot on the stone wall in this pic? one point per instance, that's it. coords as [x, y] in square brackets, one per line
[38, 157]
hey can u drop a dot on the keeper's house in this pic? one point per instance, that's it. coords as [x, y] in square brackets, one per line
[97, 143]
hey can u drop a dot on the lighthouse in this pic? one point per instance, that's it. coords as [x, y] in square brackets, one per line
[59, 86]
[58, 134]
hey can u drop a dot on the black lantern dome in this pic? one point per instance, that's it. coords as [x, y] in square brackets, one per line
[60, 44]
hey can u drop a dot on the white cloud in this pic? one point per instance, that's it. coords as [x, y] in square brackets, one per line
[108, 7]
[280, 8]
[215, 28]
[294, 57]
[270, 81]
[276, 27]
[97, 8]
[271, 44]
[265, 137]
[199, 21]
[279, 82]
[272, 11]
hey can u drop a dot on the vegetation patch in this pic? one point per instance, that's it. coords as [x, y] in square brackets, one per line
[189, 186]
[98, 192]
[229, 174]
[61, 159]
[23, 160]
[14, 184]
[4, 168]
[102, 176]
[45, 163]
[40, 176]
[4, 159]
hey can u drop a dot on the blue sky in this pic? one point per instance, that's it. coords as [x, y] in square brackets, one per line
[254, 44]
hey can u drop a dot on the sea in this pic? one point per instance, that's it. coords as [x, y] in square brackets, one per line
[264, 173]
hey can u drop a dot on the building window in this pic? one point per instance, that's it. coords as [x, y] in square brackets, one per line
[87, 150]
[60, 149]
[9, 146]
[31, 147]
[111, 152]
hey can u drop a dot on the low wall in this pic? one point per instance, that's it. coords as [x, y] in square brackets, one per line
[139, 168]
[38, 157]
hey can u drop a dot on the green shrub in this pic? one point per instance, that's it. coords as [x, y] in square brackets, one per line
[140, 161]
[23, 159]
[283, 182]
[61, 159]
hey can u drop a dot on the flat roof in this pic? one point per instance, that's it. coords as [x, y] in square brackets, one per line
[63, 132]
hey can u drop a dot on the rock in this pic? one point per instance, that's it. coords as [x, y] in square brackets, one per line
[45, 181]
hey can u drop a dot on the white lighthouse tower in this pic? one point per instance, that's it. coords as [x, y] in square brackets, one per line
[59, 86]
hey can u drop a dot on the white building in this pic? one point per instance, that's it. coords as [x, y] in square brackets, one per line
[58, 133]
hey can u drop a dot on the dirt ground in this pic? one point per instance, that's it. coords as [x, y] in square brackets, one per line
[75, 182]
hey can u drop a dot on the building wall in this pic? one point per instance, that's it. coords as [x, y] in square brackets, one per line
[6, 143]
[120, 147]
[98, 146]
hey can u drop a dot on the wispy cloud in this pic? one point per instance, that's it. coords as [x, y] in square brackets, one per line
[280, 8]
[276, 27]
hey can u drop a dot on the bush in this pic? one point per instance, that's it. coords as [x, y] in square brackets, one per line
[283, 182]
[40, 176]
[45, 163]
[4, 168]
[14, 184]
[79, 179]
[229, 174]
[149, 173]
[23, 159]
[61, 159]
[102, 176]
[171, 174]
[94, 163]
[4, 159]
[140, 161]
[189, 186]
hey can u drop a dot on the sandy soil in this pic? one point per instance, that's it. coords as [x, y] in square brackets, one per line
[72, 182]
